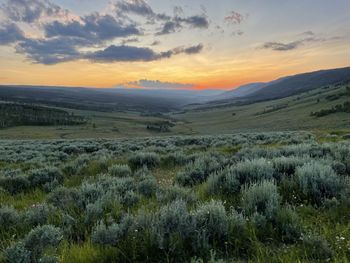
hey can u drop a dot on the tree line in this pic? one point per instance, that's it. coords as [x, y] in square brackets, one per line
[14, 114]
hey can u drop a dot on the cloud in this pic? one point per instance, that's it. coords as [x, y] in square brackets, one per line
[131, 54]
[61, 36]
[123, 53]
[278, 46]
[156, 84]
[198, 21]
[177, 24]
[237, 33]
[50, 52]
[155, 43]
[235, 18]
[178, 11]
[192, 50]
[169, 27]
[308, 33]
[10, 33]
[130, 40]
[96, 28]
[171, 24]
[138, 7]
[30, 10]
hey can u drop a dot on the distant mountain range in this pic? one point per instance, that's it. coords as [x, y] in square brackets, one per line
[242, 91]
[113, 99]
[286, 86]
[165, 100]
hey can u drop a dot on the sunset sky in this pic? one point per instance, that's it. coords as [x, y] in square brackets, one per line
[168, 43]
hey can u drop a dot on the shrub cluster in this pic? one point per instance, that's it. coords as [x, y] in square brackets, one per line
[141, 159]
[235, 197]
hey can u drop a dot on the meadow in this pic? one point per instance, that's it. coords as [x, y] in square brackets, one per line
[295, 112]
[315, 110]
[245, 197]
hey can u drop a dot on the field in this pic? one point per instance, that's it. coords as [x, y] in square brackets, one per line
[291, 113]
[246, 197]
[99, 125]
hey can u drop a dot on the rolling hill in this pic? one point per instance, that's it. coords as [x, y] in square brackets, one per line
[107, 100]
[283, 87]
[295, 112]
[301, 102]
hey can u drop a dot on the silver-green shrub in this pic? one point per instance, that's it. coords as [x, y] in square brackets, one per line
[287, 165]
[147, 186]
[37, 214]
[176, 192]
[42, 238]
[120, 170]
[173, 224]
[211, 224]
[113, 234]
[9, 218]
[17, 253]
[256, 170]
[288, 225]
[65, 198]
[39, 177]
[148, 159]
[261, 198]
[318, 181]
[223, 182]
[129, 198]
[197, 171]
[175, 158]
[14, 183]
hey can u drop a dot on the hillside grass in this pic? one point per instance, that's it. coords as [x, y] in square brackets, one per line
[291, 113]
[294, 116]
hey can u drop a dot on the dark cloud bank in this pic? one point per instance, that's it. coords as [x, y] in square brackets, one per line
[65, 38]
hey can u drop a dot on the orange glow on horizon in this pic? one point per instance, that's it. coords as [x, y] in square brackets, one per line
[201, 71]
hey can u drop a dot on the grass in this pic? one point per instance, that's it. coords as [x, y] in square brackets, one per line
[294, 117]
[23, 200]
[210, 120]
[86, 253]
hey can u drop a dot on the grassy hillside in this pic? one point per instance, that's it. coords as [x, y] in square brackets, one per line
[290, 85]
[104, 100]
[99, 125]
[291, 113]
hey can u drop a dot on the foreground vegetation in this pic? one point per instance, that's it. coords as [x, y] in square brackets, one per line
[259, 197]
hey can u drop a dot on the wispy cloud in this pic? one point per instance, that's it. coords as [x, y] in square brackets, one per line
[235, 18]
[30, 11]
[156, 84]
[130, 40]
[287, 46]
[278, 46]
[138, 7]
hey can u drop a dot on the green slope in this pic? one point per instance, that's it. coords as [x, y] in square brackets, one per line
[291, 113]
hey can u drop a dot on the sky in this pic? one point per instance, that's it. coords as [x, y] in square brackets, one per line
[168, 44]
